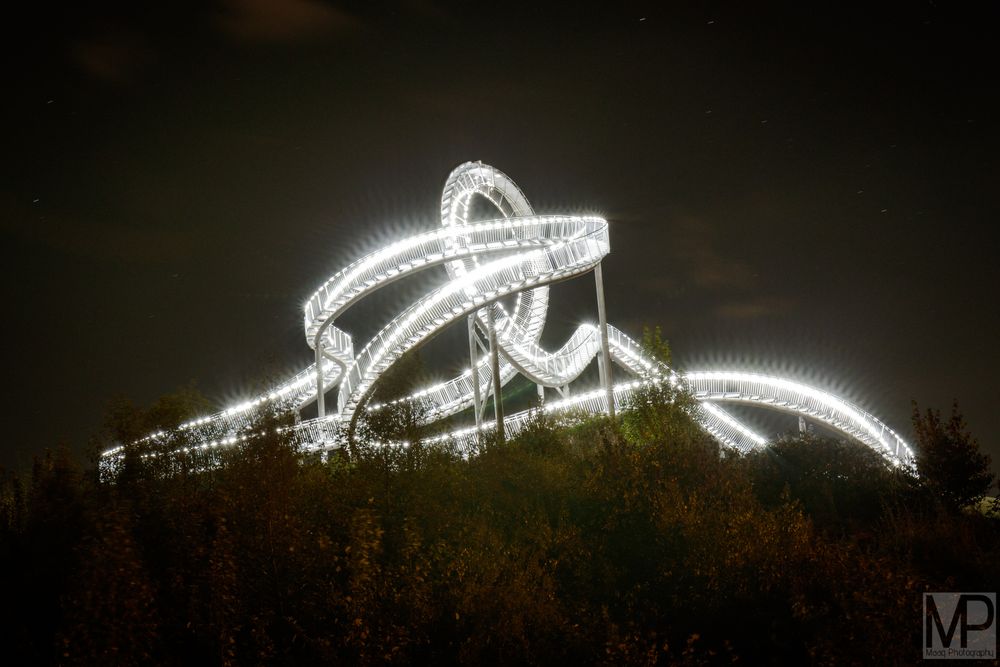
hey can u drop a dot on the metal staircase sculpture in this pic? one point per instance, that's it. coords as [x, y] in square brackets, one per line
[516, 255]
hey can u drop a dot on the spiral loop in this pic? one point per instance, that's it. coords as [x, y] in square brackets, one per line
[518, 254]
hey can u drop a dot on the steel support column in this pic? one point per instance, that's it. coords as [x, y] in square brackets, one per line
[320, 405]
[477, 400]
[605, 359]
[495, 372]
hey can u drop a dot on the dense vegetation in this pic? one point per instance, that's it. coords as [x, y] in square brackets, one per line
[628, 542]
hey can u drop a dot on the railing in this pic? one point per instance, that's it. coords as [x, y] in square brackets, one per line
[520, 255]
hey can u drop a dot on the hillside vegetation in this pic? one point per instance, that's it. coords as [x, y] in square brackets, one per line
[627, 542]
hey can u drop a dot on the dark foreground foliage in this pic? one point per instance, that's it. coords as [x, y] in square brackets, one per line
[633, 542]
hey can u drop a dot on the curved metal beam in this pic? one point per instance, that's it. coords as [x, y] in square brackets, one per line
[519, 254]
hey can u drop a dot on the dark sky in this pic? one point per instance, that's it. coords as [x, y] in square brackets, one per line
[807, 190]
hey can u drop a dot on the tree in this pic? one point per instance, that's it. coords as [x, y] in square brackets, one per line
[662, 411]
[842, 484]
[124, 422]
[655, 345]
[948, 458]
[390, 416]
[12, 503]
[110, 613]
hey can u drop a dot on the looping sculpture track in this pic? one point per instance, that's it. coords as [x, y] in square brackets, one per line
[518, 254]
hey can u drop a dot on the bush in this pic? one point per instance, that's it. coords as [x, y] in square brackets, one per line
[628, 542]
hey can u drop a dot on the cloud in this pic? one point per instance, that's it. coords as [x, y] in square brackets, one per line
[752, 308]
[281, 20]
[695, 248]
[114, 54]
[659, 283]
[137, 242]
[700, 267]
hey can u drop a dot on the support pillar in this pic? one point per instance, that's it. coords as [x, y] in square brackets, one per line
[605, 359]
[495, 372]
[477, 400]
[320, 390]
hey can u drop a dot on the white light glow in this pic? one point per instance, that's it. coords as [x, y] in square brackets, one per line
[519, 254]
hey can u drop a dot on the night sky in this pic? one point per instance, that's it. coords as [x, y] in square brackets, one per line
[808, 191]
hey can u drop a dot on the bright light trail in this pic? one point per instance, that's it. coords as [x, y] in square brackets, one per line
[519, 254]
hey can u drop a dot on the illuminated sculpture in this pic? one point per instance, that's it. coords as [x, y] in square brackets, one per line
[518, 254]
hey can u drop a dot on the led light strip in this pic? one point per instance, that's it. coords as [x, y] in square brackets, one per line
[786, 395]
[519, 254]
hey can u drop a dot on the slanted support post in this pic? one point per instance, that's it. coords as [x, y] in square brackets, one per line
[477, 400]
[605, 359]
[495, 372]
[320, 404]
